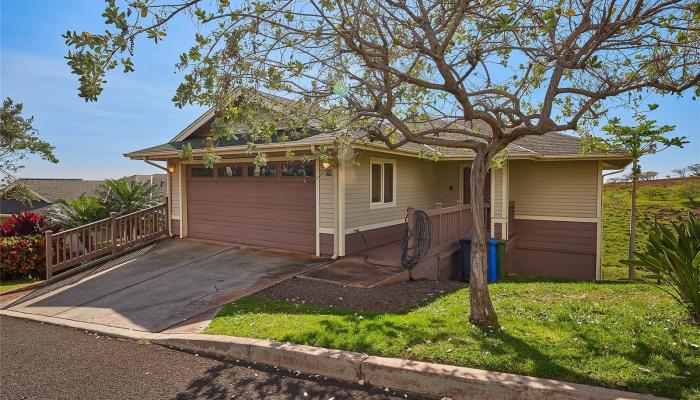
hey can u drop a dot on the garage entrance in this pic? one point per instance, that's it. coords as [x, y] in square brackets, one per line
[271, 206]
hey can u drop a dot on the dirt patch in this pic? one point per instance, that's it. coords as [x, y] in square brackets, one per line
[390, 298]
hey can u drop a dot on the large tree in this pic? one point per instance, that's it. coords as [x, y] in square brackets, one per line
[18, 140]
[468, 74]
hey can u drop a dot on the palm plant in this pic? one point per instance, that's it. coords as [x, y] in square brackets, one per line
[126, 196]
[672, 256]
[67, 214]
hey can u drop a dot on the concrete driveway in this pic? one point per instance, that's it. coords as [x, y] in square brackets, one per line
[178, 283]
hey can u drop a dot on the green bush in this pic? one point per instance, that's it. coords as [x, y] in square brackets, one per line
[691, 192]
[672, 256]
[22, 257]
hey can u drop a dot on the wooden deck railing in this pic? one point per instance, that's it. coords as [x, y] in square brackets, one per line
[449, 224]
[108, 236]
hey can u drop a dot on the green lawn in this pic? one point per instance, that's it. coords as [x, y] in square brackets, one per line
[620, 335]
[654, 201]
[623, 335]
[6, 286]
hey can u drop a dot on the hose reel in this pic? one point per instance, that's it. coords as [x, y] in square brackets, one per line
[421, 234]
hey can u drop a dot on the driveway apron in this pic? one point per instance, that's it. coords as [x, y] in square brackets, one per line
[175, 281]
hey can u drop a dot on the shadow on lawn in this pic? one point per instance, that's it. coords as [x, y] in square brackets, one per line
[375, 334]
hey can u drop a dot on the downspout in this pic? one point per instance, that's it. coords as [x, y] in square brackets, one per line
[149, 162]
[336, 219]
[614, 172]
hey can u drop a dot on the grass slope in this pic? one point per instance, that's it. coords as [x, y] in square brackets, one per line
[619, 335]
[623, 335]
[663, 201]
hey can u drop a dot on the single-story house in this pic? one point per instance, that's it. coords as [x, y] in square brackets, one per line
[546, 200]
[47, 191]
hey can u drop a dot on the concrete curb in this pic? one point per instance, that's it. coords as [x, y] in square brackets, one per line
[435, 380]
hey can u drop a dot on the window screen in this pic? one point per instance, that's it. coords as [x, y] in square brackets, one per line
[388, 183]
[376, 183]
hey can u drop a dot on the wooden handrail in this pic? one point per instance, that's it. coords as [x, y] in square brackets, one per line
[449, 224]
[110, 235]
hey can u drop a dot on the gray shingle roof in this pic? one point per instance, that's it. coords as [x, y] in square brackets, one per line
[551, 144]
[51, 190]
[54, 189]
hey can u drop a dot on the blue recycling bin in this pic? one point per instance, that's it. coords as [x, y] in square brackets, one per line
[492, 272]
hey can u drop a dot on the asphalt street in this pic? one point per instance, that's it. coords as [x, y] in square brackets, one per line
[41, 361]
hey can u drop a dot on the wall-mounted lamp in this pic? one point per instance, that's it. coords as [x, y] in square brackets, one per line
[328, 167]
[171, 169]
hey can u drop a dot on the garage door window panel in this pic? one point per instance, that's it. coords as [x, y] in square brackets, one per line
[201, 172]
[230, 171]
[298, 170]
[262, 171]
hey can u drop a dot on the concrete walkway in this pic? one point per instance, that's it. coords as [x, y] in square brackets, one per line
[178, 283]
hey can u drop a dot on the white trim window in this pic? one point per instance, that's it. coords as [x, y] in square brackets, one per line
[382, 182]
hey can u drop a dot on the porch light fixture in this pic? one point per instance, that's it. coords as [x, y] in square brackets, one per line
[328, 167]
[171, 169]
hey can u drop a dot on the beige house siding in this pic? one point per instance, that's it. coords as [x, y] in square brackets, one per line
[554, 189]
[326, 202]
[175, 189]
[497, 198]
[450, 186]
[418, 185]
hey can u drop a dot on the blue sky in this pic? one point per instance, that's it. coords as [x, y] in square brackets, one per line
[135, 110]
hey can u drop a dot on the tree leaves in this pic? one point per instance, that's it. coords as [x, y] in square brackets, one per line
[18, 139]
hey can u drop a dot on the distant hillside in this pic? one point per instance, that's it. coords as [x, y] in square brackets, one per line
[658, 182]
[660, 199]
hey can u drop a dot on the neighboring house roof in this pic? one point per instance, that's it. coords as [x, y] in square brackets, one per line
[552, 145]
[55, 189]
[48, 191]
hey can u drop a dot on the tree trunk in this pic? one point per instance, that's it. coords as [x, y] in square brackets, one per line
[482, 312]
[632, 274]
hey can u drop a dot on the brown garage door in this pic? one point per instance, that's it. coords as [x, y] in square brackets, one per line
[271, 206]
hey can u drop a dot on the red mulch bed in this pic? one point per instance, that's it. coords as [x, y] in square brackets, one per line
[383, 299]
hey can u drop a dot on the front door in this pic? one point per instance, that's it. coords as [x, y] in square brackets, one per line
[466, 190]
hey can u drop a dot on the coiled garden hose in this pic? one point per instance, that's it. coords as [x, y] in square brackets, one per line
[422, 234]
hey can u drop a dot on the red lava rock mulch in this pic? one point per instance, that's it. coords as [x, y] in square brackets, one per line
[383, 299]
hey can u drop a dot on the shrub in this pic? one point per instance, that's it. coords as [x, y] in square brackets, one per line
[127, 196]
[691, 192]
[672, 256]
[67, 214]
[26, 223]
[22, 256]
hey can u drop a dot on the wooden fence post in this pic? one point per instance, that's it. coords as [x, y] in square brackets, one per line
[113, 223]
[49, 254]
